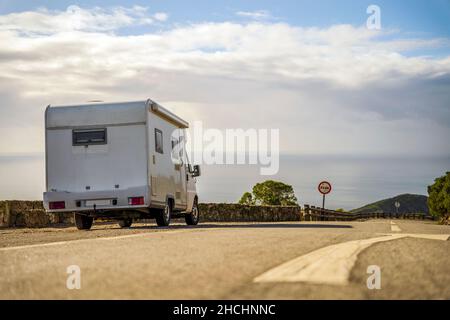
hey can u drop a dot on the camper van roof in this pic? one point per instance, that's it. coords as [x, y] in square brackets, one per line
[118, 113]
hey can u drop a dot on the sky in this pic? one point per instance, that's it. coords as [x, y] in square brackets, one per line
[309, 68]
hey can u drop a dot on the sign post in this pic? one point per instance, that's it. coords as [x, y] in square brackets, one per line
[324, 188]
[397, 205]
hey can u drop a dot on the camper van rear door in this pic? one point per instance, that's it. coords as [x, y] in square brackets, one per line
[84, 137]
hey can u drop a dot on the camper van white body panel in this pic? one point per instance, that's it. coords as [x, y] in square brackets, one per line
[106, 173]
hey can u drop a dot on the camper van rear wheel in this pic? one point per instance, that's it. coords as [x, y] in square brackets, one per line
[164, 215]
[83, 222]
[193, 218]
[125, 223]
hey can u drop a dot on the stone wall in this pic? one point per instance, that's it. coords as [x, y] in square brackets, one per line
[445, 219]
[31, 214]
[220, 212]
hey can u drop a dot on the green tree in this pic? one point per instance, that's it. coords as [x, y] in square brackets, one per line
[439, 196]
[274, 193]
[246, 199]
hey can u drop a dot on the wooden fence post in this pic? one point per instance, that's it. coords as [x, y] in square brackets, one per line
[307, 213]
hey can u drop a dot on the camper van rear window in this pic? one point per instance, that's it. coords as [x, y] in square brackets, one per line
[88, 137]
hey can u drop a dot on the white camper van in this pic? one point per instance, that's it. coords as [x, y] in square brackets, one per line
[118, 160]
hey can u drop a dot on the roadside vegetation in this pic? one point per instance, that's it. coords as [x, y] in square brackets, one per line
[439, 198]
[270, 193]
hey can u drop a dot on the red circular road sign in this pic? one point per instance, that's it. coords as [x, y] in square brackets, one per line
[324, 187]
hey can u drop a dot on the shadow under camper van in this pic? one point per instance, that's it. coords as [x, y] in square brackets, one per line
[118, 160]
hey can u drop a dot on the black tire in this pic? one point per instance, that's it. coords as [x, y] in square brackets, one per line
[163, 217]
[193, 218]
[83, 222]
[125, 223]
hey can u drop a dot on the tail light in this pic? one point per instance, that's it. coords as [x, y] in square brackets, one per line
[136, 201]
[56, 205]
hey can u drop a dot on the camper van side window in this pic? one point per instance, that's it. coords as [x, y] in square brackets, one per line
[180, 141]
[87, 137]
[158, 141]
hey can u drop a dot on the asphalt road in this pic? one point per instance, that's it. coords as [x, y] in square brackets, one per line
[307, 260]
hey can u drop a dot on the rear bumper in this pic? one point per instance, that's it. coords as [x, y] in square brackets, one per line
[76, 201]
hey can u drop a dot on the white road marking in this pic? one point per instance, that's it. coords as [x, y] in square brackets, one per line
[395, 227]
[330, 265]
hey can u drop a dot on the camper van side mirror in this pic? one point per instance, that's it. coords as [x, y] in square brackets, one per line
[196, 171]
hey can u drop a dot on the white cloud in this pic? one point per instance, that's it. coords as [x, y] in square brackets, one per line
[257, 15]
[339, 89]
[161, 16]
[75, 18]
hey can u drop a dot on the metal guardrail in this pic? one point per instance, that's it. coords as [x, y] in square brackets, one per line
[312, 213]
